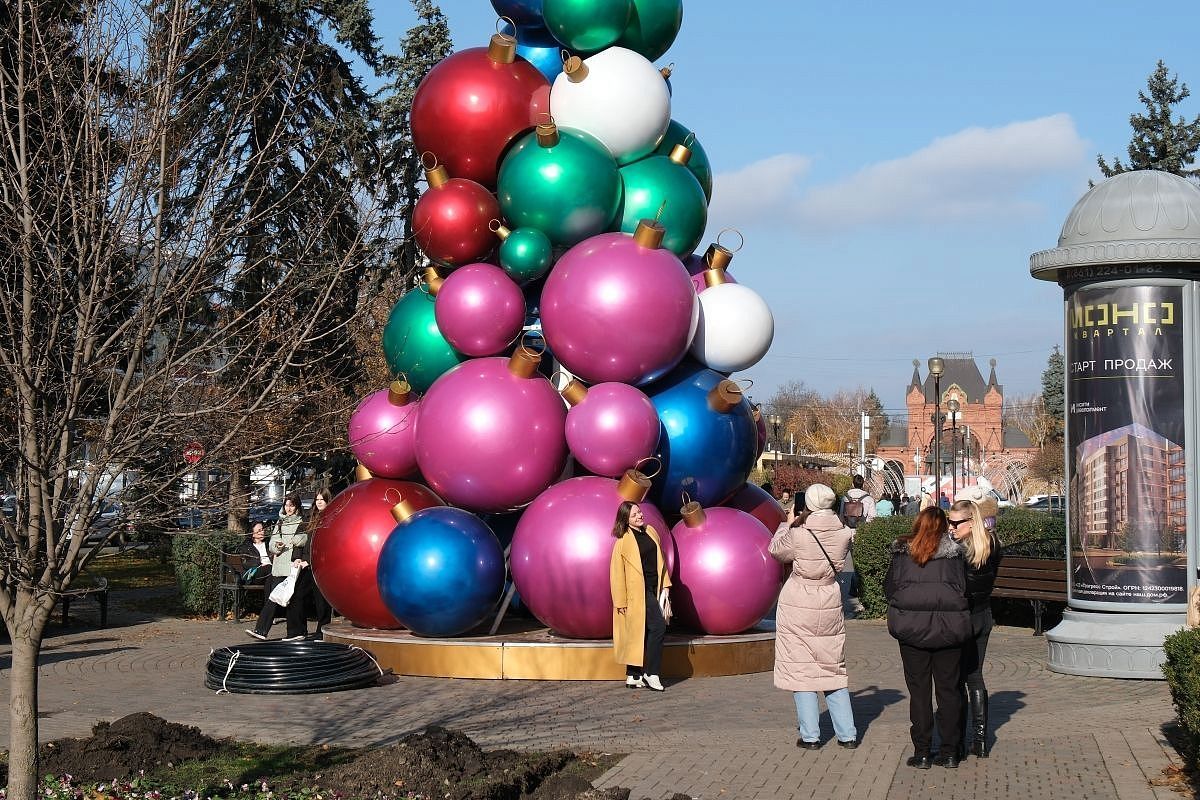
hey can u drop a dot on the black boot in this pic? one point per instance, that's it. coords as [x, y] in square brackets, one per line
[979, 721]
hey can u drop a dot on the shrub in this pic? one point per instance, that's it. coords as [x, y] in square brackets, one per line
[872, 543]
[1182, 669]
[197, 559]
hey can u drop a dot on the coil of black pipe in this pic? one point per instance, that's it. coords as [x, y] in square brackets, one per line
[301, 667]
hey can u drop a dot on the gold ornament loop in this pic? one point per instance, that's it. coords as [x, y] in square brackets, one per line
[741, 239]
[638, 466]
[432, 165]
[748, 381]
[500, 28]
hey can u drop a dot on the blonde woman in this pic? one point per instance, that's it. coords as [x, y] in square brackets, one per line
[983, 554]
[638, 580]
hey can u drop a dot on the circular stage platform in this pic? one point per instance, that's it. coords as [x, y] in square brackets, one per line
[524, 650]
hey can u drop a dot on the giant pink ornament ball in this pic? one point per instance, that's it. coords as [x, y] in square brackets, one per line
[561, 552]
[758, 503]
[344, 551]
[479, 309]
[615, 310]
[725, 579]
[490, 439]
[611, 428]
[382, 431]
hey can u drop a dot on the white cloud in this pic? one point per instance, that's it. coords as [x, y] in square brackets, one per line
[974, 174]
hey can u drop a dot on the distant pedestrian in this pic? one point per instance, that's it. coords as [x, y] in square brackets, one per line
[983, 555]
[943, 501]
[639, 584]
[927, 613]
[788, 503]
[306, 586]
[884, 507]
[858, 508]
[810, 637]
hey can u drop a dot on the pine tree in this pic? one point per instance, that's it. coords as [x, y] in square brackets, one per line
[879, 420]
[1052, 385]
[1160, 142]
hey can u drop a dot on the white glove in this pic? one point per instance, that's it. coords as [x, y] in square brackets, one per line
[664, 604]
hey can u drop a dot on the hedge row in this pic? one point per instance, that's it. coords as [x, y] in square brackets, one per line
[1182, 670]
[197, 559]
[872, 544]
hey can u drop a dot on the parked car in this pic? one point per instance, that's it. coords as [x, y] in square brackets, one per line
[1052, 502]
[266, 513]
[200, 517]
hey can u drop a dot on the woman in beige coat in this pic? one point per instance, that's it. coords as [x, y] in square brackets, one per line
[638, 580]
[810, 630]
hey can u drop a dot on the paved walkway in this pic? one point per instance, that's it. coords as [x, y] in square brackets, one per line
[1057, 735]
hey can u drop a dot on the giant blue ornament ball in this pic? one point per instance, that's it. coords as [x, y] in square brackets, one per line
[706, 453]
[441, 574]
[524, 13]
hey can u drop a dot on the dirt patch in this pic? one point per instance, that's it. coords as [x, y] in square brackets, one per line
[123, 748]
[447, 764]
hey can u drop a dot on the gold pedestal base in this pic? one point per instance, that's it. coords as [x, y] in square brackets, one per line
[526, 651]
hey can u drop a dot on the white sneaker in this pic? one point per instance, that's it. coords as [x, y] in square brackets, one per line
[299, 638]
[634, 683]
[652, 682]
[256, 634]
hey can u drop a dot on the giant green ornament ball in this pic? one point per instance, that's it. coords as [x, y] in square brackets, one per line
[413, 345]
[653, 26]
[656, 183]
[699, 165]
[526, 255]
[586, 26]
[569, 190]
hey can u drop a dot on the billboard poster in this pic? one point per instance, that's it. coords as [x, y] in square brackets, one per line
[1125, 435]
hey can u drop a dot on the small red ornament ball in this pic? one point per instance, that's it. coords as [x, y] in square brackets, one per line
[450, 222]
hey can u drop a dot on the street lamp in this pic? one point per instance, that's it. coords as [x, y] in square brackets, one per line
[954, 407]
[775, 420]
[850, 456]
[936, 367]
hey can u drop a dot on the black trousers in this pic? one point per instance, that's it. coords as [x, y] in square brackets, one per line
[652, 645]
[929, 672]
[975, 649]
[297, 617]
[267, 615]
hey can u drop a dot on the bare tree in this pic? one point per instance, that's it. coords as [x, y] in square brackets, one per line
[827, 424]
[1029, 416]
[111, 313]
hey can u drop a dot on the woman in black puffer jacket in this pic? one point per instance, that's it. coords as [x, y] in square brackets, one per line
[926, 589]
[983, 554]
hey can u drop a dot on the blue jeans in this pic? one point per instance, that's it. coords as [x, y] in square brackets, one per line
[840, 711]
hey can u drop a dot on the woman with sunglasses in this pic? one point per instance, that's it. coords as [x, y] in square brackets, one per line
[926, 590]
[983, 554]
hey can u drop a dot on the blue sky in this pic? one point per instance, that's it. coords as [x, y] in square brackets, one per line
[893, 166]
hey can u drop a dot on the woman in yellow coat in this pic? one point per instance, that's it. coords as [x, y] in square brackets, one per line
[638, 581]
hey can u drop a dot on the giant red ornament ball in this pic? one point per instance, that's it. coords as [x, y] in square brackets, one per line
[450, 222]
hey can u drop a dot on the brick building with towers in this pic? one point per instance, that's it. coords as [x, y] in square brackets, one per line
[975, 440]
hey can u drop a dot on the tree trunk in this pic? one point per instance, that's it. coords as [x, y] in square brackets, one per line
[26, 637]
[239, 481]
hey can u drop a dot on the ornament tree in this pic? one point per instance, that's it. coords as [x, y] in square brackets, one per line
[563, 209]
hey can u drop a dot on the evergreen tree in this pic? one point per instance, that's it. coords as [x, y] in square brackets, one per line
[879, 420]
[1052, 385]
[1160, 142]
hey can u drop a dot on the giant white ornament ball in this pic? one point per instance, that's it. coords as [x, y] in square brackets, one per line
[622, 101]
[735, 328]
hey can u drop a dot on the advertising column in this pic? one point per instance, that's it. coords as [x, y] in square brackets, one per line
[1125, 448]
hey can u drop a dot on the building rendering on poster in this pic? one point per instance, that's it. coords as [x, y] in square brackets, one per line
[1125, 434]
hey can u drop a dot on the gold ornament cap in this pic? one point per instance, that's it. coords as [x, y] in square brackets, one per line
[575, 70]
[717, 256]
[574, 392]
[667, 71]
[547, 134]
[681, 154]
[715, 277]
[725, 396]
[649, 234]
[497, 227]
[433, 280]
[524, 362]
[403, 510]
[436, 176]
[399, 393]
[361, 473]
[693, 514]
[633, 486]
[502, 48]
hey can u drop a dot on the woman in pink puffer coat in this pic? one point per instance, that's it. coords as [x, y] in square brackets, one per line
[810, 630]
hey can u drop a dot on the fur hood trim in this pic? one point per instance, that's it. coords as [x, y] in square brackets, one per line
[947, 547]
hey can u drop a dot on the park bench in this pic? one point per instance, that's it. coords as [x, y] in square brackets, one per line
[1034, 570]
[98, 592]
[233, 566]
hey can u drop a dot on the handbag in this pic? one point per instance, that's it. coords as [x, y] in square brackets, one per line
[281, 595]
[664, 603]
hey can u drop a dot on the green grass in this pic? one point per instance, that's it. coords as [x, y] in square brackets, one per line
[248, 763]
[134, 569]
